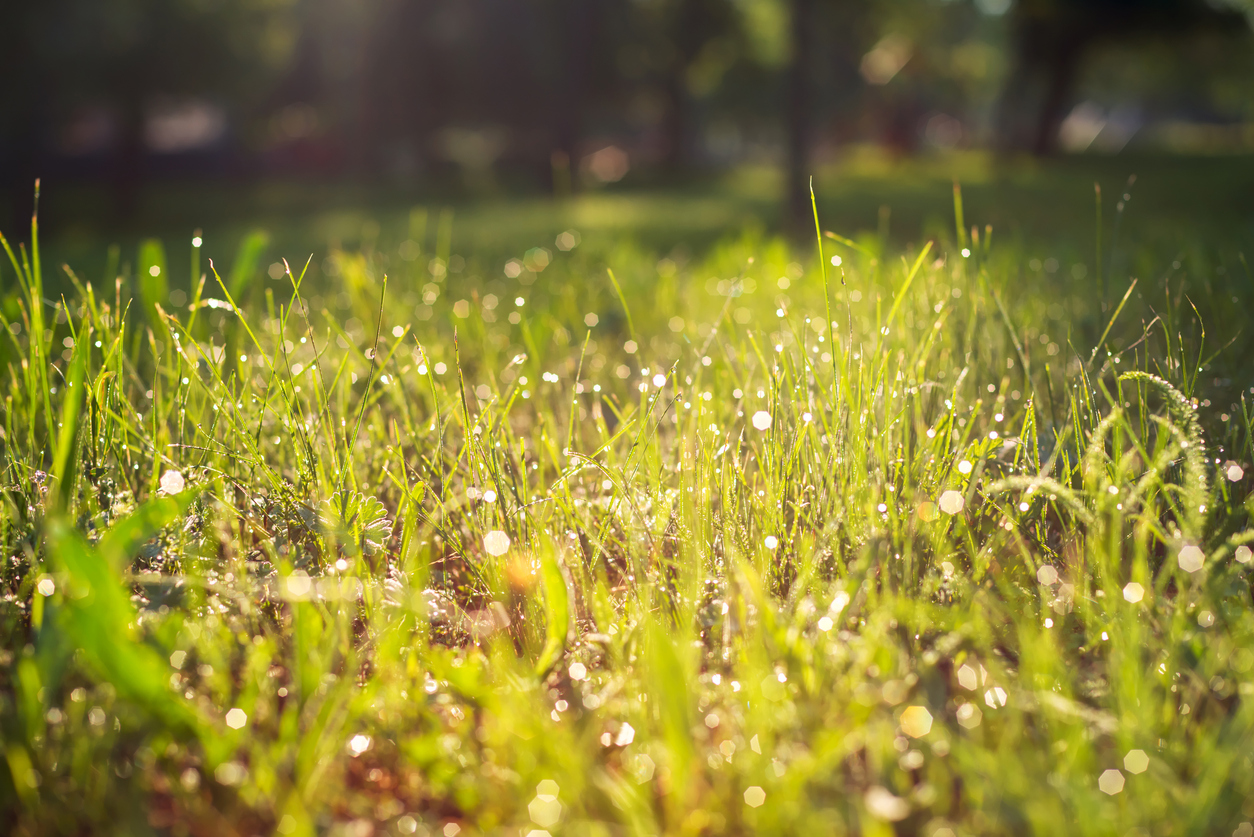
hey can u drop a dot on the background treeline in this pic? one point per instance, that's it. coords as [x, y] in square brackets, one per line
[529, 91]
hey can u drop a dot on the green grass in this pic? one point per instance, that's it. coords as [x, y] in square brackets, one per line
[726, 543]
[1039, 205]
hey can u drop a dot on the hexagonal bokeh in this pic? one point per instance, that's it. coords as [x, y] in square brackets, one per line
[916, 721]
[1133, 592]
[951, 502]
[1111, 781]
[969, 716]
[545, 811]
[754, 796]
[1191, 559]
[644, 768]
[1136, 761]
[883, 804]
[967, 678]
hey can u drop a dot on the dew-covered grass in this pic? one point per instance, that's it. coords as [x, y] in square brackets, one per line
[772, 539]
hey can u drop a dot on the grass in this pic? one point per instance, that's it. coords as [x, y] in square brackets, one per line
[947, 539]
[1038, 205]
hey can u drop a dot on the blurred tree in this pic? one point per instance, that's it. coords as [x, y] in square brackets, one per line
[123, 55]
[1050, 39]
[798, 113]
[578, 23]
[681, 49]
[411, 83]
[392, 87]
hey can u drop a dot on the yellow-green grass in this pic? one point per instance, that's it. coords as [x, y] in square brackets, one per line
[922, 540]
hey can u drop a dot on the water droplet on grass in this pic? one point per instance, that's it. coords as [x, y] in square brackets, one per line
[172, 482]
[1191, 559]
[496, 542]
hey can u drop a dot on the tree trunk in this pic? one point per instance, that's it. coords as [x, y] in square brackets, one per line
[577, 35]
[797, 118]
[128, 158]
[1059, 86]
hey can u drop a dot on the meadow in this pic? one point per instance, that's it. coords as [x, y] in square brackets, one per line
[855, 534]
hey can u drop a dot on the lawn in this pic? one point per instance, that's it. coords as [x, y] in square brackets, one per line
[525, 523]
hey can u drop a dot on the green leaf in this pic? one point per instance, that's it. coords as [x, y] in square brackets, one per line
[356, 519]
[154, 286]
[65, 461]
[668, 683]
[124, 538]
[905, 286]
[99, 619]
[556, 613]
[246, 259]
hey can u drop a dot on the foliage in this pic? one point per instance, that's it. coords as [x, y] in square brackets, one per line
[414, 89]
[171, 47]
[937, 541]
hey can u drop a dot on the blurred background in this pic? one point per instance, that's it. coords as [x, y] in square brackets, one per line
[149, 115]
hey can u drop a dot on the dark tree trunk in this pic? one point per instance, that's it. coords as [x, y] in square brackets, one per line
[25, 165]
[577, 34]
[797, 118]
[128, 158]
[675, 121]
[23, 140]
[1060, 82]
[691, 27]
[1051, 39]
